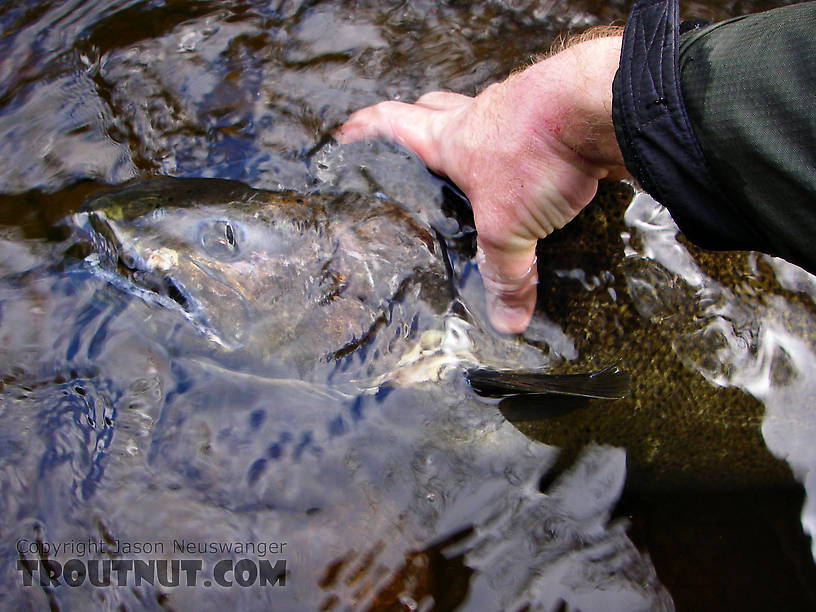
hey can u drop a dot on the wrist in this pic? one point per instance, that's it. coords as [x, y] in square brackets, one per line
[572, 98]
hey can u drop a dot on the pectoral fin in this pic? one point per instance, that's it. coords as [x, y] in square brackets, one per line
[609, 383]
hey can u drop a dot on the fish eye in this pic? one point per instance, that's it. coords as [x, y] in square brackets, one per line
[220, 238]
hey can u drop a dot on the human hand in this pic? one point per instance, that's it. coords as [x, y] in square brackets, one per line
[527, 152]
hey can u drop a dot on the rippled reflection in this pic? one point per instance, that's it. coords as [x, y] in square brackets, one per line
[756, 335]
[138, 408]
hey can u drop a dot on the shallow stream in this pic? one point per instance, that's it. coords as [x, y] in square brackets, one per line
[130, 430]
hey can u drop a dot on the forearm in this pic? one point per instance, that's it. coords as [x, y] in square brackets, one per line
[748, 89]
[569, 96]
[723, 134]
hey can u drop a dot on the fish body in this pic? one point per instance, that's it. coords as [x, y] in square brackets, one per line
[255, 271]
[287, 278]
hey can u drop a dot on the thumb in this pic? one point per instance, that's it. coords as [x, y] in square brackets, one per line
[510, 280]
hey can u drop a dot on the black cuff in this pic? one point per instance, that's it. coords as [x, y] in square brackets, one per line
[656, 138]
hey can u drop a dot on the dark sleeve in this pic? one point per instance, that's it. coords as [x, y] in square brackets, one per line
[720, 126]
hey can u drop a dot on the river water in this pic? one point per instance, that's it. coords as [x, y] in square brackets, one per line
[120, 444]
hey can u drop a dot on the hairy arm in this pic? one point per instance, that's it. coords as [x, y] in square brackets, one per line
[527, 152]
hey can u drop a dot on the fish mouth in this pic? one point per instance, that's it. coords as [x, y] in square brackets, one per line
[152, 279]
[165, 289]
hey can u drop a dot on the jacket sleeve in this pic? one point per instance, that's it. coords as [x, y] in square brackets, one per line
[720, 126]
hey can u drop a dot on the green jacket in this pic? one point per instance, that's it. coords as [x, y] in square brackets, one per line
[719, 125]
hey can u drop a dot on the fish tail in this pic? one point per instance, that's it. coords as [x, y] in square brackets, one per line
[608, 383]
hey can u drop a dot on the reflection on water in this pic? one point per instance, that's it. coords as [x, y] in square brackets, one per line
[125, 425]
[741, 335]
[121, 423]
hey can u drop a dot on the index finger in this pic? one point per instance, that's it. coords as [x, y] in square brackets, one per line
[415, 126]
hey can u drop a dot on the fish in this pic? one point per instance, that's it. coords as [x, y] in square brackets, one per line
[278, 276]
[250, 267]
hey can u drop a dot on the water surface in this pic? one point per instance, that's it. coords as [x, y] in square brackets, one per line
[414, 496]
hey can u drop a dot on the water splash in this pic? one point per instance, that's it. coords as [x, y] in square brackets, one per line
[756, 335]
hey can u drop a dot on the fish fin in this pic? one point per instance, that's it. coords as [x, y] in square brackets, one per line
[608, 383]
